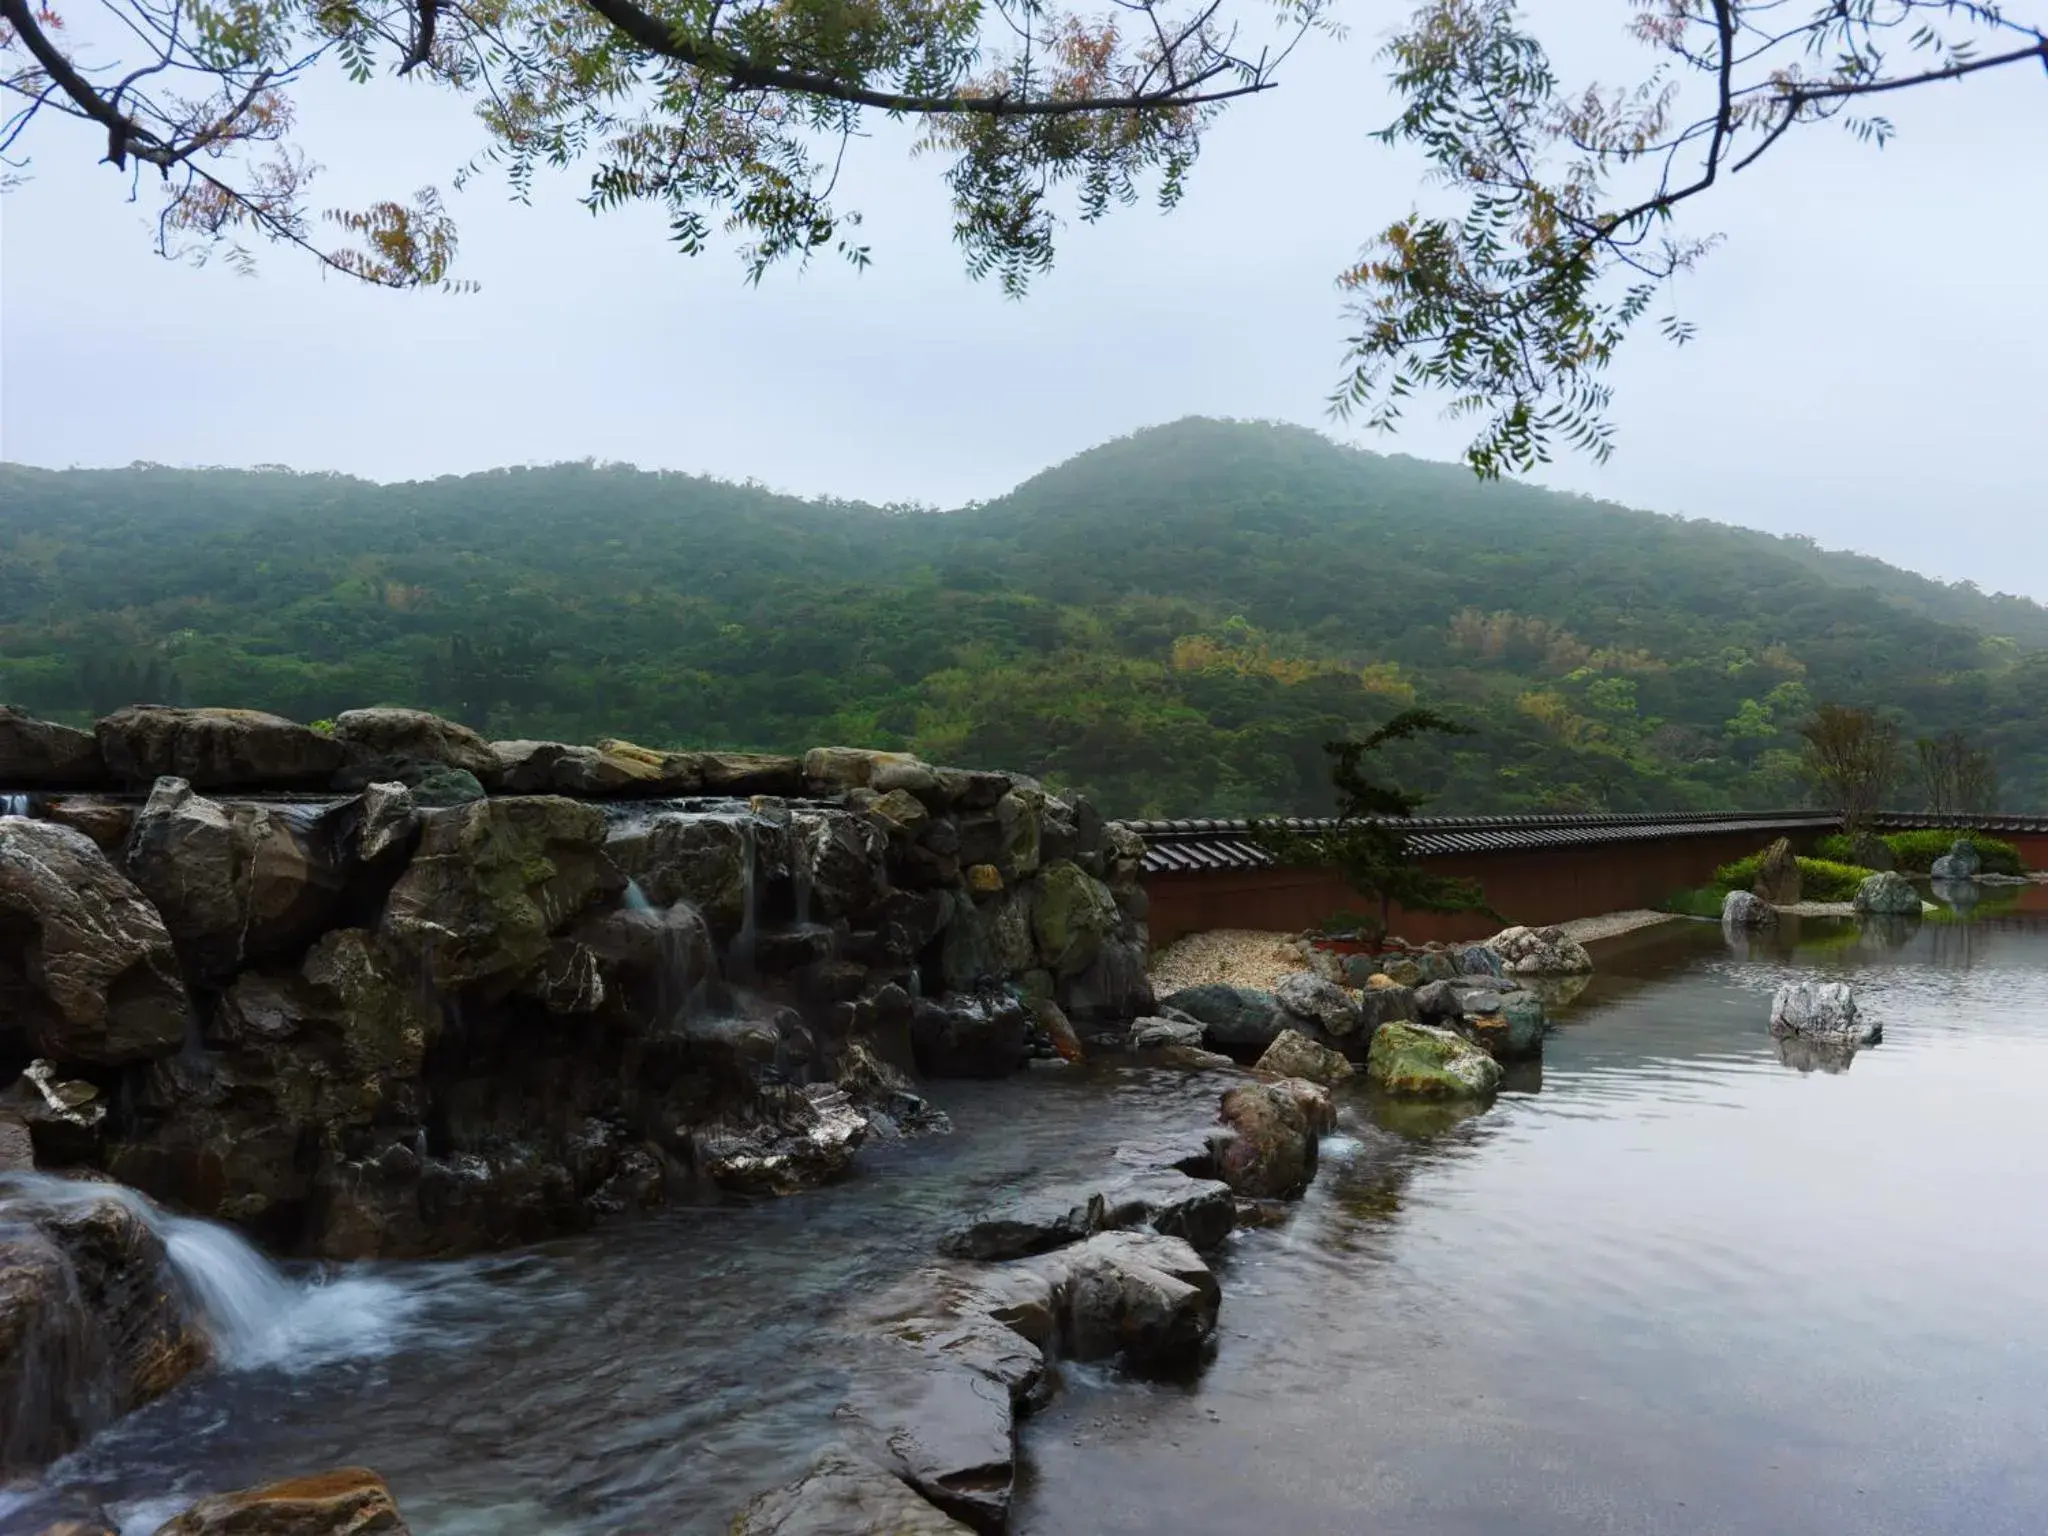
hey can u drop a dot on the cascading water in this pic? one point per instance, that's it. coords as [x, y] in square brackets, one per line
[255, 1314]
[741, 955]
[13, 805]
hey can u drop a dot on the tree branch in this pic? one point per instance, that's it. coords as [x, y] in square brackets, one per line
[1801, 95]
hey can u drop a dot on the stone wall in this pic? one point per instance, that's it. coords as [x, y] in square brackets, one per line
[389, 988]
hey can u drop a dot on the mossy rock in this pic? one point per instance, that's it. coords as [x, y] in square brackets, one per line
[1074, 913]
[1417, 1061]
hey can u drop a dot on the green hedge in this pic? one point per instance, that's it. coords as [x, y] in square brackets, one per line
[1915, 852]
[1819, 879]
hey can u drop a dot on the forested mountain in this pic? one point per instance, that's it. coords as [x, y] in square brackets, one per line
[1174, 621]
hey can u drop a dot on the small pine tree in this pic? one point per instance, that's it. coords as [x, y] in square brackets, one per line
[1364, 843]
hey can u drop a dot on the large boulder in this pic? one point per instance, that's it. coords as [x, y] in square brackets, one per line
[1872, 852]
[1777, 875]
[93, 1319]
[235, 882]
[1147, 1298]
[706, 860]
[1114, 987]
[37, 754]
[352, 1501]
[1293, 1054]
[1320, 1002]
[1507, 1025]
[1961, 862]
[1073, 914]
[1240, 1020]
[1746, 909]
[619, 768]
[1273, 1152]
[746, 774]
[415, 735]
[810, 1140]
[1540, 952]
[1417, 1061]
[844, 1494]
[491, 883]
[87, 970]
[1821, 1011]
[215, 748]
[1888, 893]
[969, 1035]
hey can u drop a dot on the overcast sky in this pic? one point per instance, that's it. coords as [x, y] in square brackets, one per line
[1871, 368]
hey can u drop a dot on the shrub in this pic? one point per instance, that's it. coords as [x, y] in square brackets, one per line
[1917, 851]
[1700, 901]
[1819, 879]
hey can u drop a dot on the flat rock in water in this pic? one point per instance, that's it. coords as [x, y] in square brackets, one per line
[844, 1494]
[353, 1501]
[943, 1428]
[1202, 1212]
[1035, 1224]
[1193, 1154]
[1148, 1298]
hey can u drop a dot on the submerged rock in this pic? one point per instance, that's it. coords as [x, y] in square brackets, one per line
[1821, 1010]
[1418, 1061]
[844, 1494]
[945, 1428]
[98, 980]
[1293, 1054]
[1746, 909]
[352, 1501]
[1888, 892]
[1540, 952]
[1272, 1153]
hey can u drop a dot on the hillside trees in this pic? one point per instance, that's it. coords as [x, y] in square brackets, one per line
[1852, 759]
[735, 116]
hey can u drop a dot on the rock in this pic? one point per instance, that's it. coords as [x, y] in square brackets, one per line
[1051, 1020]
[746, 774]
[1436, 1001]
[1073, 914]
[37, 754]
[1293, 1054]
[352, 1501]
[66, 1120]
[1400, 970]
[17, 1149]
[1888, 892]
[1871, 852]
[1309, 996]
[1201, 1212]
[492, 882]
[215, 748]
[1777, 875]
[433, 785]
[944, 1428]
[1018, 827]
[415, 734]
[1233, 1018]
[811, 1140]
[1272, 1153]
[702, 859]
[844, 1494]
[106, 822]
[972, 1035]
[1114, 987]
[1036, 1224]
[1193, 1153]
[984, 879]
[1961, 862]
[1417, 1061]
[1746, 909]
[1152, 1034]
[93, 1320]
[841, 860]
[97, 979]
[554, 768]
[1821, 1010]
[1477, 960]
[234, 883]
[389, 819]
[655, 772]
[1540, 952]
[1148, 1298]
[1195, 1059]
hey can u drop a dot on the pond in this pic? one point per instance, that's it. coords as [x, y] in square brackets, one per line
[1669, 1284]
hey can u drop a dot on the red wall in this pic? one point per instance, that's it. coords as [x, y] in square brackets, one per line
[1533, 886]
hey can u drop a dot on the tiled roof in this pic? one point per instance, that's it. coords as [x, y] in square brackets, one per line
[1173, 847]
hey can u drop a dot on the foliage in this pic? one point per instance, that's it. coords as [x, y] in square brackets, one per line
[1366, 843]
[1174, 623]
[734, 118]
[1696, 901]
[1851, 759]
[1956, 774]
[1819, 879]
[1915, 852]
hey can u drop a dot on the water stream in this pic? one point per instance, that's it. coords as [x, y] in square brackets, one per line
[1670, 1285]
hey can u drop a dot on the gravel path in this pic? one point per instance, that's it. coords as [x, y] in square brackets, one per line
[1613, 924]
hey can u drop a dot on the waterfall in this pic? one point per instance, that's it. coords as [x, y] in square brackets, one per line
[741, 955]
[13, 805]
[635, 899]
[255, 1314]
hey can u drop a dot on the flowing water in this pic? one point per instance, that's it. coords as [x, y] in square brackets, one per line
[1669, 1284]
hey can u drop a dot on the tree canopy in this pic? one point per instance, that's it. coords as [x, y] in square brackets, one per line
[736, 115]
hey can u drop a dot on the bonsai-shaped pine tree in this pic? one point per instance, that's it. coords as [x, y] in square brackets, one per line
[1365, 843]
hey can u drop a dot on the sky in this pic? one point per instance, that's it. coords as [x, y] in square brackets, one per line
[1870, 368]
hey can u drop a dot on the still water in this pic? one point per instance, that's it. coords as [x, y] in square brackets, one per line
[1675, 1285]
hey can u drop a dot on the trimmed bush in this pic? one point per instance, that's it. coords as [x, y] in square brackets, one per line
[1819, 879]
[1917, 851]
[1699, 901]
